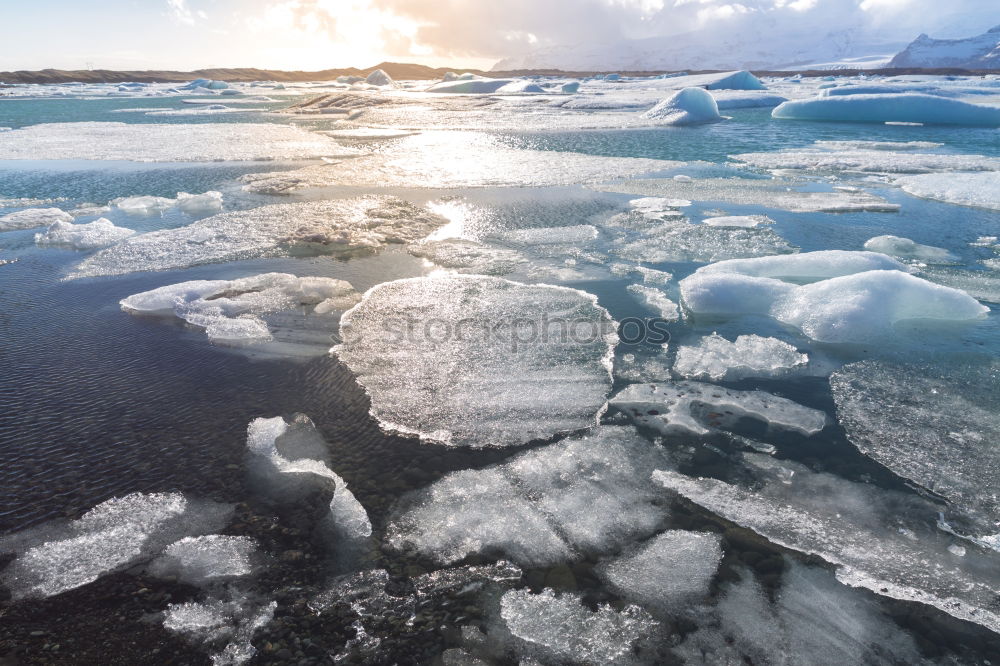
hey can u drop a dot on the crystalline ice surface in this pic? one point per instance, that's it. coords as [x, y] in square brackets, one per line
[935, 425]
[33, 217]
[112, 536]
[905, 248]
[656, 300]
[96, 234]
[689, 106]
[340, 227]
[717, 359]
[560, 628]
[667, 572]
[869, 161]
[479, 361]
[746, 221]
[546, 506]
[215, 622]
[965, 189]
[671, 241]
[205, 142]
[858, 528]
[905, 107]
[694, 408]
[200, 560]
[234, 310]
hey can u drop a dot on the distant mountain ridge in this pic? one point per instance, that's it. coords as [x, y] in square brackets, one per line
[980, 52]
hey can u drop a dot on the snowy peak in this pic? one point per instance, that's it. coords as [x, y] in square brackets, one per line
[980, 52]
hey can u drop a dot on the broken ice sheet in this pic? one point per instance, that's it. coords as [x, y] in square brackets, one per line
[695, 408]
[981, 190]
[717, 359]
[206, 559]
[882, 540]
[868, 161]
[114, 535]
[242, 311]
[937, 425]
[340, 227]
[223, 626]
[754, 192]
[560, 628]
[479, 361]
[582, 495]
[680, 241]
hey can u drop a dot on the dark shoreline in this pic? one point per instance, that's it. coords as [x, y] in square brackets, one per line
[402, 71]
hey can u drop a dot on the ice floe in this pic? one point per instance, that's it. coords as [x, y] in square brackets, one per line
[807, 266]
[31, 218]
[681, 241]
[237, 311]
[113, 536]
[903, 107]
[224, 627]
[965, 189]
[146, 142]
[561, 629]
[864, 531]
[690, 106]
[193, 204]
[667, 573]
[936, 425]
[868, 161]
[341, 227]
[206, 559]
[656, 300]
[96, 234]
[549, 505]
[718, 359]
[479, 361]
[743, 221]
[694, 408]
[904, 248]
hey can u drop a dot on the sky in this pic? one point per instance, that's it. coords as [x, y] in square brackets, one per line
[324, 34]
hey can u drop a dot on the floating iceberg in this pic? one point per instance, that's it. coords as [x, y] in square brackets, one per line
[113, 536]
[341, 227]
[582, 495]
[561, 629]
[964, 189]
[206, 559]
[718, 359]
[733, 99]
[690, 106]
[694, 408]
[807, 266]
[904, 107]
[858, 528]
[236, 311]
[476, 85]
[935, 425]
[33, 217]
[741, 80]
[99, 233]
[479, 361]
[146, 142]
[379, 78]
[904, 248]
[668, 572]
[192, 204]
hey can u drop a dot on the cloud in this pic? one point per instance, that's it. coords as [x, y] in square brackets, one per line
[180, 11]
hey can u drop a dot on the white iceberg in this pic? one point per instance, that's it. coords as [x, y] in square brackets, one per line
[99, 233]
[379, 78]
[904, 248]
[479, 361]
[904, 107]
[690, 106]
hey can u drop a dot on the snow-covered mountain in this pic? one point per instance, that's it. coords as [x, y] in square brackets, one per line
[745, 49]
[981, 52]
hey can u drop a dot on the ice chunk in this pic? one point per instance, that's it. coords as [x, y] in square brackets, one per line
[905, 107]
[732, 99]
[479, 361]
[341, 227]
[200, 204]
[656, 300]
[143, 205]
[905, 248]
[111, 537]
[741, 80]
[216, 623]
[935, 425]
[964, 189]
[379, 78]
[868, 161]
[807, 266]
[469, 256]
[561, 629]
[543, 507]
[864, 531]
[474, 85]
[235, 311]
[99, 233]
[745, 221]
[717, 359]
[648, 275]
[679, 241]
[146, 142]
[690, 106]
[206, 559]
[983, 285]
[694, 408]
[571, 87]
[33, 217]
[668, 572]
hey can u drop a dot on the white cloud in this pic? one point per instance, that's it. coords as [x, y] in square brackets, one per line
[180, 11]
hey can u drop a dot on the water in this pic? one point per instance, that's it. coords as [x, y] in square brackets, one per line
[97, 403]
